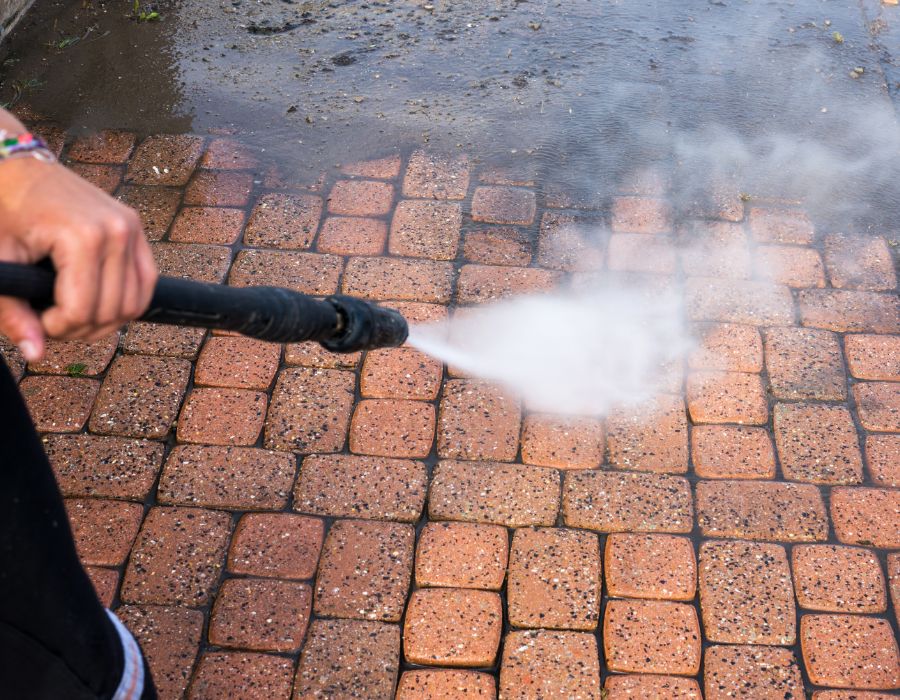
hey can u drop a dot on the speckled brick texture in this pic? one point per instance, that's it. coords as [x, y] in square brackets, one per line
[282, 522]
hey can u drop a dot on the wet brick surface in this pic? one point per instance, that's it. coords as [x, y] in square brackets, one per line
[391, 528]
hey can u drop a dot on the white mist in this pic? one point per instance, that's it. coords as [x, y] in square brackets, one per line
[576, 353]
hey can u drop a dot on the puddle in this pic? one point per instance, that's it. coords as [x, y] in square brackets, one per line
[581, 90]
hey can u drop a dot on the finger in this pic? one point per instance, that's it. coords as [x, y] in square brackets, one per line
[147, 273]
[131, 291]
[113, 273]
[77, 261]
[21, 325]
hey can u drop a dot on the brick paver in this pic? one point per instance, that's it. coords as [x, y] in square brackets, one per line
[169, 637]
[213, 225]
[497, 246]
[491, 492]
[222, 188]
[452, 627]
[781, 226]
[746, 595]
[77, 358]
[104, 530]
[461, 555]
[239, 363]
[878, 404]
[240, 478]
[732, 452]
[651, 438]
[260, 614]
[478, 420]
[761, 510]
[436, 176]
[846, 311]
[241, 675]
[364, 571]
[309, 273]
[650, 566]
[551, 664]
[177, 557]
[838, 579]
[796, 267]
[165, 160]
[714, 249]
[727, 346]
[164, 341]
[873, 356]
[345, 235]
[859, 262]
[392, 428]
[623, 687]
[883, 457]
[310, 410]
[361, 487]
[817, 443]
[570, 241]
[284, 221]
[155, 205]
[425, 230]
[360, 198]
[105, 146]
[59, 404]
[849, 651]
[348, 658]
[277, 545]
[400, 373]
[482, 283]
[89, 465]
[615, 502]
[866, 516]
[751, 673]
[140, 396]
[222, 416]
[651, 636]
[446, 684]
[399, 279]
[563, 442]
[726, 397]
[805, 364]
[554, 579]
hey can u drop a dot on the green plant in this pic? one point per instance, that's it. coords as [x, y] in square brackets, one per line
[144, 14]
[76, 369]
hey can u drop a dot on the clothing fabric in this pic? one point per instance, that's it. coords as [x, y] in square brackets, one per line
[57, 642]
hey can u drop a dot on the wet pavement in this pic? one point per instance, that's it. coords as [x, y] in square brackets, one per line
[281, 522]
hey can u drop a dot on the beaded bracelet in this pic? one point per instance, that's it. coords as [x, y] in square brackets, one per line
[26, 144]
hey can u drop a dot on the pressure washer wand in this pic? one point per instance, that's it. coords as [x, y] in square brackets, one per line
[339, 323]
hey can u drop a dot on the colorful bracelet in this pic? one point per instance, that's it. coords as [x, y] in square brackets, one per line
[26, 144]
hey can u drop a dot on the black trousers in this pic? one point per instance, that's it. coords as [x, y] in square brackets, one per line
[56, 641]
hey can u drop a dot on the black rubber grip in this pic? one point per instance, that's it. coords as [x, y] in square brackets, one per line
[342, 324]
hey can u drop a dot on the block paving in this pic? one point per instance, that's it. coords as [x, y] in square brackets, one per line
[287, 523]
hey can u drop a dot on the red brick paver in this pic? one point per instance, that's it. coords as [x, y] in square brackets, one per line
[425, 230]
[364, 571]
[260, 614]
[361, 487]
[551, 664]
[490, 492]
[878, 404]
[623, 687]
[241, 478]
[241, 675]
[562, 442]
[284, 221]
[838, 579]
[392, 428]
[222, 416]
[177, 557]
[554, 579]
[746, 595]
[452, 627]
[345, 235]
[817, 443]
[866, 516]
[59, 404]
[477, 421]
[732, 452]
[873, 356]
[348, 658]
[277, 545]
[805, 364]
[848, 651]
[360, 198]
[650, 566]
[651, 636]
[461, 555]
[446, 685]
[751, 673]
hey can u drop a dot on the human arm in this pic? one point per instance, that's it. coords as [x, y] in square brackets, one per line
[105, 269]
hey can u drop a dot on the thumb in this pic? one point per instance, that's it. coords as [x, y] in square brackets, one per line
[20, 323]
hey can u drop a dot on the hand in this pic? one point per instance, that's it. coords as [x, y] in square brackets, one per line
[105, 273]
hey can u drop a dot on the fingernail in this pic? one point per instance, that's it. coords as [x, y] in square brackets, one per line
[30, 350]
